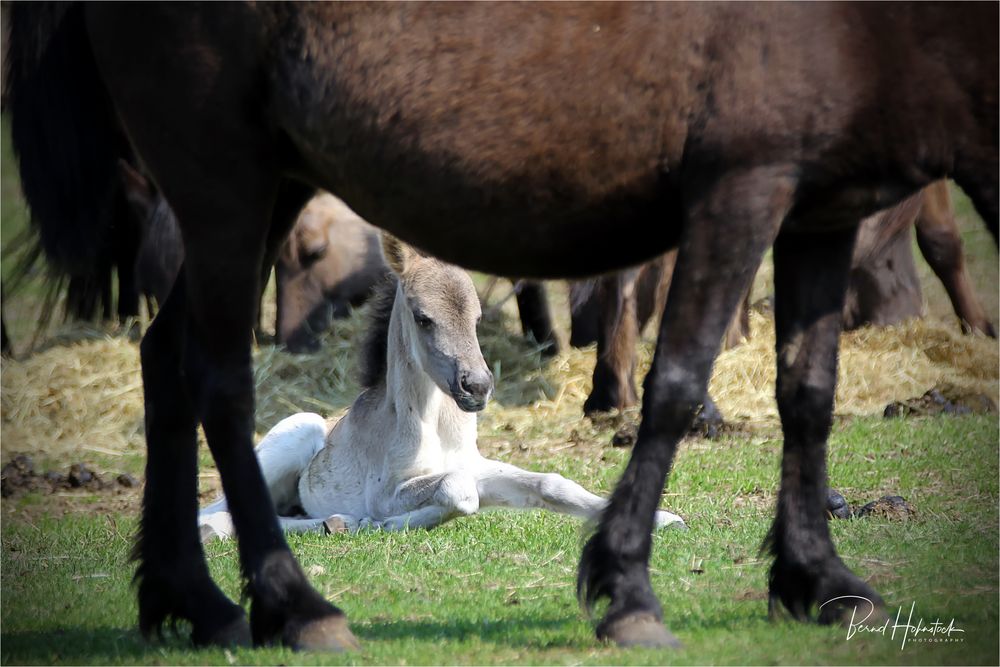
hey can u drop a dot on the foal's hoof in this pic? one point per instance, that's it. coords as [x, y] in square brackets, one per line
[329, 634]
[642, 630]
[208, 534]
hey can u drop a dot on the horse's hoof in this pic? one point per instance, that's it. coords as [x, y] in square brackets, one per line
[666, 519]
[329, 634]
[836, 593]
[638, 630]
[234, 634]
[778, 612]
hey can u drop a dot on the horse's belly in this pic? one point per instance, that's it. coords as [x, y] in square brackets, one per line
[532, 153]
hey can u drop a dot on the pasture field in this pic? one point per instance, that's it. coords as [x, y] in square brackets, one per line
[498, 588]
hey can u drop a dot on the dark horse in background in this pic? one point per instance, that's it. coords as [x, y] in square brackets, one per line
[883, 289]
[552, 140]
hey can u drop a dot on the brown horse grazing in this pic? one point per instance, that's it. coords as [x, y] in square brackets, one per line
[504, 138]
[612, 311]
[883, 289]
[330, 263]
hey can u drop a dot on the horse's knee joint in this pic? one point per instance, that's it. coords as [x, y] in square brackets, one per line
[459, 491]
[675, 403]
[806, 398]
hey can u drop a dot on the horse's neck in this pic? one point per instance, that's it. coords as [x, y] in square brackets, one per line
[421, 407]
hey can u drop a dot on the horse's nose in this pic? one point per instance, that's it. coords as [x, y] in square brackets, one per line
[477, 383]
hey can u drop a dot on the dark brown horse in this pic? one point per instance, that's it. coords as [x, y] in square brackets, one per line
[883, 289]
[506, 138]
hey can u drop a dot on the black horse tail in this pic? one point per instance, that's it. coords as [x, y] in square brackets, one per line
[64, 132]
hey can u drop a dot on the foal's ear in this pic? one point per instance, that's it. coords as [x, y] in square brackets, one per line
[397, 254]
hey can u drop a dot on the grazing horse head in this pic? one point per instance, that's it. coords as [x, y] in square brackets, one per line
[438, 310]
[329, 264]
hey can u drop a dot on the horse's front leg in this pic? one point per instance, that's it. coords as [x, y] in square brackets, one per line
[284, 607]
[428, 500]
[504, 485]
[536, 316]
[810, 279]
[728, 226]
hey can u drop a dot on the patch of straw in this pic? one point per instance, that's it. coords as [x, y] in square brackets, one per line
[877, 365]
[87, 395]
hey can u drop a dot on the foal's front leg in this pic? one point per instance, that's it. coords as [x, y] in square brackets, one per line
[810, 279]
[728, 226]
[429, 500]
[505, 485]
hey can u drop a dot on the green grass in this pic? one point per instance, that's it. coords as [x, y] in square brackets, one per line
[498, 587]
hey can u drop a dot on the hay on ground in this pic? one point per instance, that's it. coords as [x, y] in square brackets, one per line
[87, 395]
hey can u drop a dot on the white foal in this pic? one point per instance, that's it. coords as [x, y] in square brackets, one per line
[405, 455]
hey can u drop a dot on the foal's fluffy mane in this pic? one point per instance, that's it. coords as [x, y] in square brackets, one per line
[374, 351]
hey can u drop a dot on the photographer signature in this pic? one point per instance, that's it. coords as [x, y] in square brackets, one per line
[921, 631]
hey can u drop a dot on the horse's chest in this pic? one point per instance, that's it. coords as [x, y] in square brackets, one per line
[439, 448]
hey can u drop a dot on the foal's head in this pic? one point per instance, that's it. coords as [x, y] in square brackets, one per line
[440, 314]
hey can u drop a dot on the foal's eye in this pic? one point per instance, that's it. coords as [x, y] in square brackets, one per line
[423, 321]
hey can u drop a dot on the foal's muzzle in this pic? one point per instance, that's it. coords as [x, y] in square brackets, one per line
[473, 390]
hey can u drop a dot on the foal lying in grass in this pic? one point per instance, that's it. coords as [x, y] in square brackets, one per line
[405, 454]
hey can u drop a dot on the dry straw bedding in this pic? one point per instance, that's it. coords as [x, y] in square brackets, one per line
[86, 396]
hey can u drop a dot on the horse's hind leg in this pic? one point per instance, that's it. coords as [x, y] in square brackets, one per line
[810, 279]
[172, 577]
[726, 232]
[941, 245]
[536, 316]
[613, 384]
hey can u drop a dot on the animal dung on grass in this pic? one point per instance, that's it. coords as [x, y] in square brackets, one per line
[837, 506]
[942, 399]
[893, 508]
[19, 476]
